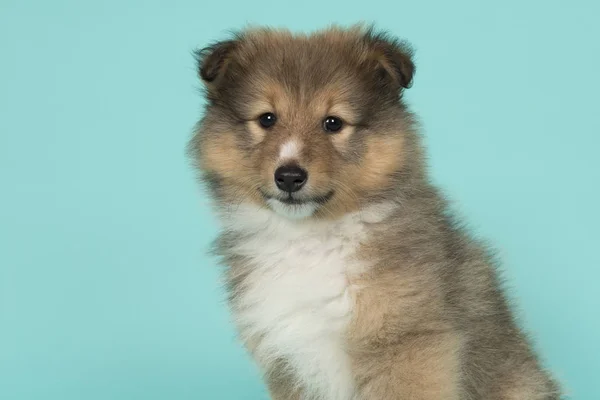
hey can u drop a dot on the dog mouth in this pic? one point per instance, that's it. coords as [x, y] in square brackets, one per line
[290, 199]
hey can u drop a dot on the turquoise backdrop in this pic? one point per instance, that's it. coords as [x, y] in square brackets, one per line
[105, 288]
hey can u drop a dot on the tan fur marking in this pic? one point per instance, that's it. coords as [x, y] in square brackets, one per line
[222, 155]
[400, 345]
[257, 132]
[383, 158]
[340, 139]
[411, 304]
[344, 111]
[260, 107]
[422, 367]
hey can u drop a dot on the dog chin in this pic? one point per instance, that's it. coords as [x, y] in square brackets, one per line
[293, 211]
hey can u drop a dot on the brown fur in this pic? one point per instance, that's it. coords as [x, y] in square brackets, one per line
[430, 320]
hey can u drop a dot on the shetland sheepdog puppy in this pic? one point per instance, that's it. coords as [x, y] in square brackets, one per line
[347, 277]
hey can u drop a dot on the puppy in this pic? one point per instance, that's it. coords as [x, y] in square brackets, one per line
[347, 277]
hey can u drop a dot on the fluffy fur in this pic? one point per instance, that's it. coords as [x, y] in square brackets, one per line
[359, 286]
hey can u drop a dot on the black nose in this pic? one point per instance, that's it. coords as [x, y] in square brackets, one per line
[290, 178]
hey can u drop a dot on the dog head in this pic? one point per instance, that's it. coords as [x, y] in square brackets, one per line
[310, 126]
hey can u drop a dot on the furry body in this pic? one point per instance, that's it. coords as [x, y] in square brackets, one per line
[358, 286]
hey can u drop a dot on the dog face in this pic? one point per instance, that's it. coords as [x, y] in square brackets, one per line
[308, 126]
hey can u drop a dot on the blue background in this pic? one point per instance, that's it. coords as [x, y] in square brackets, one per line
[105, 288]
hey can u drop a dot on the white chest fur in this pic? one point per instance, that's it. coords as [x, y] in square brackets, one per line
[297, 297]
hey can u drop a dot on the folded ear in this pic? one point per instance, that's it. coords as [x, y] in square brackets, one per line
[394, 58]
[212, 61]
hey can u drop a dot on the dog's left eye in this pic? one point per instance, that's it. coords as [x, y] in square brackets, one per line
[332, 124]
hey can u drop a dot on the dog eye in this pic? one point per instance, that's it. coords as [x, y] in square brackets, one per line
[267, 120]
[332, 124]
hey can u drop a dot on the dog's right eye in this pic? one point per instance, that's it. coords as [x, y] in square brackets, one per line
[267, 120]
